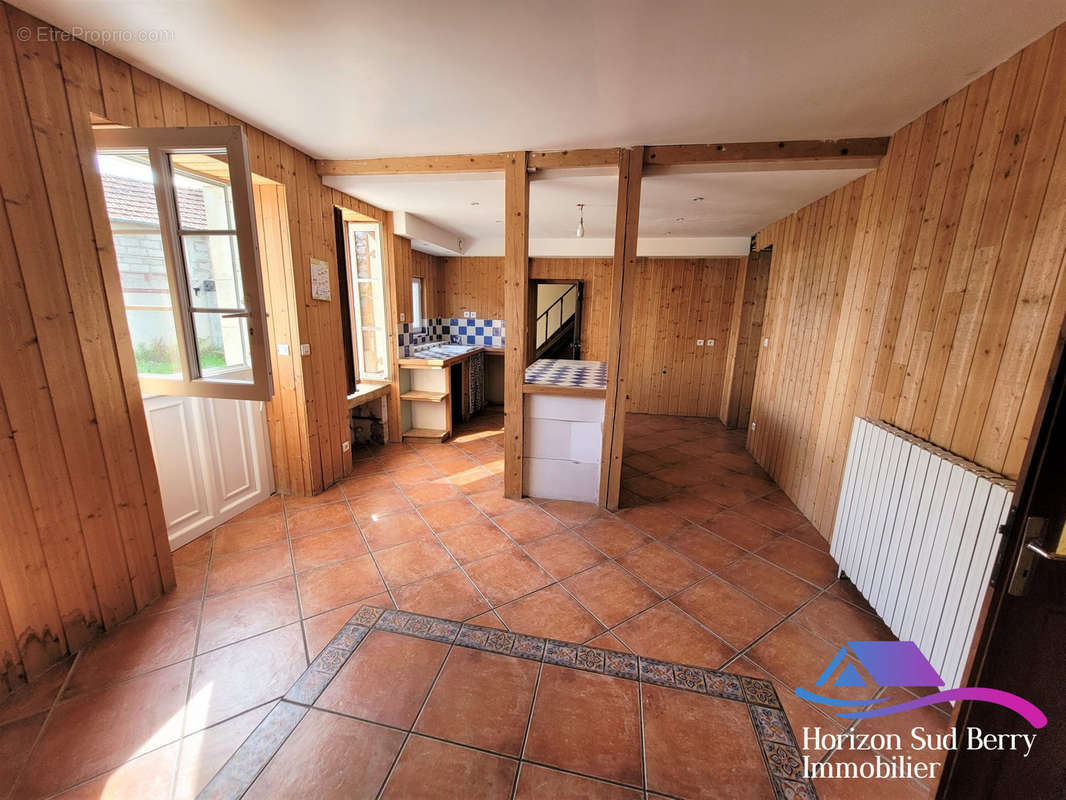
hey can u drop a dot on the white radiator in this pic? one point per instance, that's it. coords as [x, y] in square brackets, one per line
[917, 532]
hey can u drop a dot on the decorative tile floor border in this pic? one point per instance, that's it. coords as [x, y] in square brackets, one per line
[781, 756]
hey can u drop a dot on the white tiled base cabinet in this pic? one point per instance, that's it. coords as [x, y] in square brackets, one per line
[562, 447]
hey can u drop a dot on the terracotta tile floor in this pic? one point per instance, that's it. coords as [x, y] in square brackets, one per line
[707, 563]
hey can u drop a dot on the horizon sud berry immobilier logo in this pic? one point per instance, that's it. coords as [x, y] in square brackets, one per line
[900, 664]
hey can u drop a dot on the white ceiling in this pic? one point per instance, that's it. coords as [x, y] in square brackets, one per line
[419, 77]
[405, 77]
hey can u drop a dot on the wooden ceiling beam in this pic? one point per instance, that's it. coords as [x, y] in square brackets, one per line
[565, 159]
[413, 165]
[828, 154]
[806, 154]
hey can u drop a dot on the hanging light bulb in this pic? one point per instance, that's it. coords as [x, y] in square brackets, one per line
[581, 220]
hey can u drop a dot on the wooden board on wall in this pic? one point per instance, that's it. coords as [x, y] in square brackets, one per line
[682, 300]
[929, 293]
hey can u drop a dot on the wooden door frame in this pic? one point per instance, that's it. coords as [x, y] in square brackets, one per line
[533, 284]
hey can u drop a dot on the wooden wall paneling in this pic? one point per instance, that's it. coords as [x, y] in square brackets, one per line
[38, 255]
[389, 247]
[317, 407]
[66, 196]
[622, 301]
[929, 293]
[336, 384]
[82, 81]
[735, 347]
[997, 413]
[116, 87]
[755, 336]
[174, 113]
[917, 410]
[961, 433]
[197, 111]
[516, 311]
[297, 291]
[38, 511]
[744, 339]
[936, 383]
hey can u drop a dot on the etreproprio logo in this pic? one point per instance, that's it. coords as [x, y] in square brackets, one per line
[902, 664]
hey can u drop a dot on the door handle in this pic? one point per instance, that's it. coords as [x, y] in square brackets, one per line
[1040, 551]
[1032, 538]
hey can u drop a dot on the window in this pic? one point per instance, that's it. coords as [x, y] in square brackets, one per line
[179, 204]
[416, 304]
[367, 293]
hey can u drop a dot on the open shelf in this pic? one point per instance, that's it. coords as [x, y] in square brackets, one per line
[420, 396]
[425, 433]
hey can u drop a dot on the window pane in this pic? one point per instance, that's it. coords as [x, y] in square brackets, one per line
[363, 255]
[416, 302]
[142, 269]
[373, 351]
[213, 266]
[202, 190]
[366, 304]
[222, 346]
[128, 187]
[155, 341]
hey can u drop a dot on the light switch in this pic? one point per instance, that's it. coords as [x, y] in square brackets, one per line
[699, 343]
[305, 349]
[283, 349]
[765, 342]
[346, 446]
[753, 426]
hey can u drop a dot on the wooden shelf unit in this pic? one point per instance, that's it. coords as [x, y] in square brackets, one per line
[425, 402]
[420, 396]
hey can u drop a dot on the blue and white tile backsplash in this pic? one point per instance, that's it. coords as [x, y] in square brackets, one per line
[476, 332]
[480, 332]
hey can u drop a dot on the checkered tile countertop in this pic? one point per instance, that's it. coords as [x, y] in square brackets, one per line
[564, 372]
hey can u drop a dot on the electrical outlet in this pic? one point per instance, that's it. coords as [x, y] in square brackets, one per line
[403, 317]
[765, 342]
[283, 349]
[346, 446]
[710, 342]
[753, 426]
[699, 343]
[466, 314]
[305, 349]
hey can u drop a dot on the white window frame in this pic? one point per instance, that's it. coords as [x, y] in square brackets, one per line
[160, 142]
[381, 289]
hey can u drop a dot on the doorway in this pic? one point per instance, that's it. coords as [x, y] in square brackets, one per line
[557, 326]
[179, 257]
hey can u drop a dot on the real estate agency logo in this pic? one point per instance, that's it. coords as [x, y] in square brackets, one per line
[901, 664]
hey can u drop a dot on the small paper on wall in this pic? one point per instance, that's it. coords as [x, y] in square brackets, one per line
[319, 280]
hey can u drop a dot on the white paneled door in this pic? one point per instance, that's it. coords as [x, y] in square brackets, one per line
[213, 460]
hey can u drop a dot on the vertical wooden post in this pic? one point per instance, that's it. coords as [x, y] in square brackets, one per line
[627, 223]
[516, 315]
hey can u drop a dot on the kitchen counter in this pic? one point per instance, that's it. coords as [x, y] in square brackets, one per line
[565, 376]
[444, 355]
